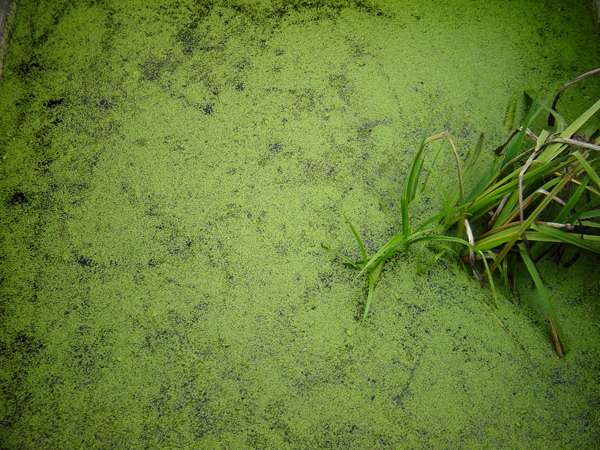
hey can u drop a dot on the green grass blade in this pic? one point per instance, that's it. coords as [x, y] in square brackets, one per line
[409, 190]
[388, 250]
[594, 214]
[564, 213]
[486, 180]
[410, 186]
[369, 296]
[581, 120]
[527, 223]
[515, 145]
[493, 195]
[588, 242]
[563, 216]
[590, 171]
[342, 257]
[561, 123]
[439, 216]
[497, 238]
[430, 171]
[422, 269]
[456, 240]
[546, 306]
[357, 237]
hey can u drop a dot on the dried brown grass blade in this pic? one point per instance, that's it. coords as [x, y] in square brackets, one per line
[560, 351]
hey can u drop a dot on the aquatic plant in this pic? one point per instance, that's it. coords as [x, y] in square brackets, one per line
[528, 203]
[425, 233]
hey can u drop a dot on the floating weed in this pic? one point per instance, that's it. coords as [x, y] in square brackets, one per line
[527, 203]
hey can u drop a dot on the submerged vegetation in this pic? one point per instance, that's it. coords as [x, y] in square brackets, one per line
[533, 199]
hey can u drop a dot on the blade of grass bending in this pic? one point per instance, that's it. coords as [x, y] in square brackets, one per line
[578, 123]
[357, 237]
[493, 195]
[527, 223]
[475, 249]
[545, 298]
[461, 196]
[410, 186]
[562, 123]
[590, 171]
[342, 257]
[385, 252]
[563, 215]
[588, 242]
[420, 269]
[411, 183]
[369, 296]
[392, 246]
[590, 214]
[515, 145]
[460, 186]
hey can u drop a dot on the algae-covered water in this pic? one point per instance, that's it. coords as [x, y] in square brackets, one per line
[169, 171]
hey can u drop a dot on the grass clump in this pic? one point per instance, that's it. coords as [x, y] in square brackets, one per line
[533, 199]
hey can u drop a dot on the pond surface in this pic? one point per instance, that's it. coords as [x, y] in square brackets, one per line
[169, 171]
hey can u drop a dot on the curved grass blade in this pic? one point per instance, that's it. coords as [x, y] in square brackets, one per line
[550, 234]
[342, 257]
[545, 301]
[527, 222]
[515, 145]
[580, 121]
[369, 296]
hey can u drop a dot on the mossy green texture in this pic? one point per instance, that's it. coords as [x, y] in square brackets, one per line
[169, 171]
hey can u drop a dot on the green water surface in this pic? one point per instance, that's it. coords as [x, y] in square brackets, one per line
[168, 173]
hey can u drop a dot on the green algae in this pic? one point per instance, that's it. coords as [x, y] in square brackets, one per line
[169, 172]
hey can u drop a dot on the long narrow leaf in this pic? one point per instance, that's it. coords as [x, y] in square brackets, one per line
[342, 257]
[527, 223]
[580, 121]
[385, 252]
[563, 216]
[591, 172]
[369, 296]
[590, 242]
[410, 186]
[515, 145]
[544, 106]
[546, 306]
[358, 239]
